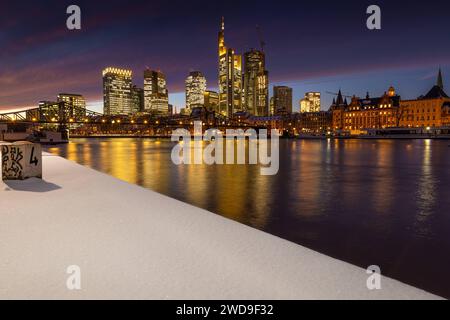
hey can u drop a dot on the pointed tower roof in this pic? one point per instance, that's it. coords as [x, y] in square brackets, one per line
[440, 82]
[339, 99]
[438, 90]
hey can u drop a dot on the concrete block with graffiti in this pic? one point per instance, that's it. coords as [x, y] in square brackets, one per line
[21, 160]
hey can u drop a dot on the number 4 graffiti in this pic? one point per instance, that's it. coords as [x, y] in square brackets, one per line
[33, 159]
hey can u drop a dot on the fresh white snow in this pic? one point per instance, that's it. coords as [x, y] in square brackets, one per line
[132, 243]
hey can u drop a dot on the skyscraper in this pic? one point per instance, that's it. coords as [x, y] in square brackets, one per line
[211, 101]
[271, 106]
[137, 95]
[195, 90]
[310, 103]
[282, 97]
[117, 91]
[256, 83]
[156, 95]
[75, 102]
[230, 77]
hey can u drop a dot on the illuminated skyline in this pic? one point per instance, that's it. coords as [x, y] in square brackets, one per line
[311, 47]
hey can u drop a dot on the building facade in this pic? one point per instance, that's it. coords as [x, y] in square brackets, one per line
[282, 99]
[75, 102]
[428, 111]
[211, 101]
[195, 90]
[230, 77]
[117, 85]
[310, 103]
[367, 113]
[137, 96]
[319, 122]
[156, 95]
[256, 84]
[389, 111]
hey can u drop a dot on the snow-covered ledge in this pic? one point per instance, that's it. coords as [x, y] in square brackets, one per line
[133, 243]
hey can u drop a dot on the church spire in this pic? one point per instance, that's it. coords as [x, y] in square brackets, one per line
[440, 82]
[339, 99]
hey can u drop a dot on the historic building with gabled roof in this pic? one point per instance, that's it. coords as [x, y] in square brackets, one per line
[360, 114]
[430, 110]
[338, 108]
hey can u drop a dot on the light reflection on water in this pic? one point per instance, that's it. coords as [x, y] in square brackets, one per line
[367, 202]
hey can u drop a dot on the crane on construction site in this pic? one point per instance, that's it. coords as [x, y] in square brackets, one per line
[336, 94]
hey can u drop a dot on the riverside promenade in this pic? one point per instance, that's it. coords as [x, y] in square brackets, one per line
[133, 243]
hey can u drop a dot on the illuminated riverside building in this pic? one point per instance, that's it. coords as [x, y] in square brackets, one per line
[75, 102]
[195, 90]
[313, 122]
[389, 111]
[359, 114]
[282, 99]
[117, 91]
[431, 110]
[156, 95]
[211, 101]
[230, 77]
[310, 103]
[256, 84]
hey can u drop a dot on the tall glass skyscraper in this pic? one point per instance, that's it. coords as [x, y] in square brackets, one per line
[230, 77]
[256, 83]
[156, 95]
[282, 99]
[117, 97]
[195, 90]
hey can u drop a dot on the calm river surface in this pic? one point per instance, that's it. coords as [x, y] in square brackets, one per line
[384, 203]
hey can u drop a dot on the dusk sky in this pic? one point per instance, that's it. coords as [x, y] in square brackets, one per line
[310, 45]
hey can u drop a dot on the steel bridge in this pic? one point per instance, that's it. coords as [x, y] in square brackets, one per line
[61, 117]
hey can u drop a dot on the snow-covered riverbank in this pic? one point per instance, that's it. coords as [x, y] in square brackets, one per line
[133, 243]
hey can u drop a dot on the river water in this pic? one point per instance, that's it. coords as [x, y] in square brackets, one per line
[368, 202]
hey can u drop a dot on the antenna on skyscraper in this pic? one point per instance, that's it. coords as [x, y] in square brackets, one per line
[261, 41]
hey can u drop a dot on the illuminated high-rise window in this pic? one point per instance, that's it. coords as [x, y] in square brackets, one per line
[282, 99]
[117, 96]
[137, 95]
[212, 101]
[195, 90]
[230, 77]
[256, 84]
[310, 103]
[76, 104]
[156, 95]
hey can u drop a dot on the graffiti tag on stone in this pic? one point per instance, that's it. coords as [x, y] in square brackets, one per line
[11, 161]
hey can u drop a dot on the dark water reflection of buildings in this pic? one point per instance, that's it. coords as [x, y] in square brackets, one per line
[368, 202]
